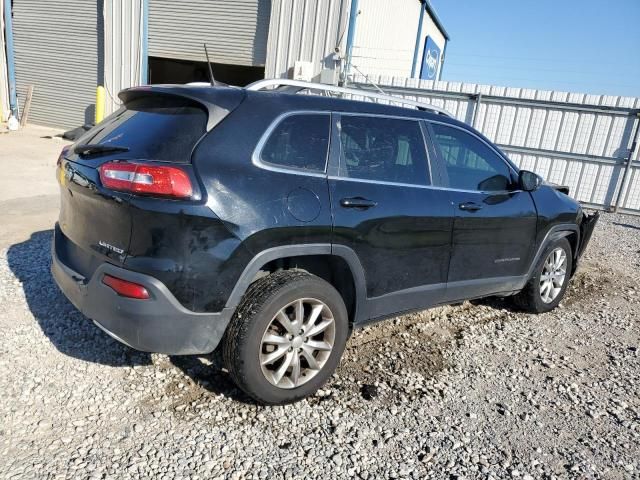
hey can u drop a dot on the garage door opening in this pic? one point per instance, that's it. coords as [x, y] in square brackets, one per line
[168, 70]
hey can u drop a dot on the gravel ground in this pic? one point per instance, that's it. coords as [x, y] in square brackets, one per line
[471, 391]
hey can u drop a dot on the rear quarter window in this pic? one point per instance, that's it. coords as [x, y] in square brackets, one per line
[300, 142]
[156, 127]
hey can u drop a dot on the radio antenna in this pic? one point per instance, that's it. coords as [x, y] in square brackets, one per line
[213, 80]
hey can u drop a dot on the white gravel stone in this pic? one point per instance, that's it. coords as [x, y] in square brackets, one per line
[472, 391]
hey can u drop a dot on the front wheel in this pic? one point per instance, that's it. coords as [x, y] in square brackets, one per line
[550, 279]
[286, 337]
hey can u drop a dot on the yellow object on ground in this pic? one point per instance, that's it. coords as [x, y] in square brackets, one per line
[100, 99]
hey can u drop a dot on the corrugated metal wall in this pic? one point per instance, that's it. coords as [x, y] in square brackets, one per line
[122, 48]
[58, 50]
[385, 36]
[4, 80]
[573, 139]
[235, 32]
[307, 30]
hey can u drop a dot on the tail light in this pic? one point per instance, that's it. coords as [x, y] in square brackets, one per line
[125, 288]
[146, 179]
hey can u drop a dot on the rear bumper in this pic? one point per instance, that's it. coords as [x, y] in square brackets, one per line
[160, 324]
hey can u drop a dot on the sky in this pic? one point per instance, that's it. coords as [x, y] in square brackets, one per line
[587, 46]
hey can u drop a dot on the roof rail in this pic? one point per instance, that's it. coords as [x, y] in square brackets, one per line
[299, 85]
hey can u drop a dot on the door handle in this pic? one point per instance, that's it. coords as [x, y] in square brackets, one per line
[470, 206]
[357, 202]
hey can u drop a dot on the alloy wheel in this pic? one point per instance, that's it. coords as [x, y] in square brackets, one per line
[297, 343]
[554, 273]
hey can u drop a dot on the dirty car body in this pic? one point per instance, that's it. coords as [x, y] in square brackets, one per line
[256, 182]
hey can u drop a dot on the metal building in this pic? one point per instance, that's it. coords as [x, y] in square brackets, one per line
[65, 48]
[4, 78]
[397, 38]
[308, 31]
[125, 64]
[58, 50]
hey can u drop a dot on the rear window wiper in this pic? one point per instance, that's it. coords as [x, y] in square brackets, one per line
[98, 149]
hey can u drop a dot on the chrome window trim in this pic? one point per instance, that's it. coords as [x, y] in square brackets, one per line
[256, 156]
[471, 132]
[392, 117]
[258, 162]
[377, 182]
[427, 187]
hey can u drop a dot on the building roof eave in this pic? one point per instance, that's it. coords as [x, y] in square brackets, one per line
[434, 16]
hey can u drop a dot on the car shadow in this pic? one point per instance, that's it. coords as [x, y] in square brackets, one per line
[75, 335]
[69, 331]
[497, 303]
[207, 372]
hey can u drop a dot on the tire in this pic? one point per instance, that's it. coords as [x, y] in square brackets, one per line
[536, 298]
[249, 340]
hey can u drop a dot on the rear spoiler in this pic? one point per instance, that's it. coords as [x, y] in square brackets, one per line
[219, 101]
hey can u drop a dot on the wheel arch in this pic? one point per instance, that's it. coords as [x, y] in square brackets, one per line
[565, 230]
[329, 262]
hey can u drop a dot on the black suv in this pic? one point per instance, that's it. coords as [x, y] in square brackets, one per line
[272, 223]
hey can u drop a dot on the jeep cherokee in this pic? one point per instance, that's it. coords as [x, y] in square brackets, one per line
[272, 223]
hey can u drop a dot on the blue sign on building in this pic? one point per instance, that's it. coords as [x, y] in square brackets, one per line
[430, 60]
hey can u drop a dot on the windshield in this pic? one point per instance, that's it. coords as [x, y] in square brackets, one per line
[156, 127]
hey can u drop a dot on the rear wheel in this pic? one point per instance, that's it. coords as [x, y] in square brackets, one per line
[550, 279]
[286, 337]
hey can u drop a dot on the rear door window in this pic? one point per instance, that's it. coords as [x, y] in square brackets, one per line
[300, 141]
[154, 127]
[470, 163]
[383, 149]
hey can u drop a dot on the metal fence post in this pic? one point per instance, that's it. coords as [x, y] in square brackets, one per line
[476, 108]
[10, 50]
[627, 168]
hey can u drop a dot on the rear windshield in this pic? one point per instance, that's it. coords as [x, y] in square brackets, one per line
[157, 127]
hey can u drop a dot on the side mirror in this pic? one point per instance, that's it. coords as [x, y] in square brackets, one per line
[529, 181]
